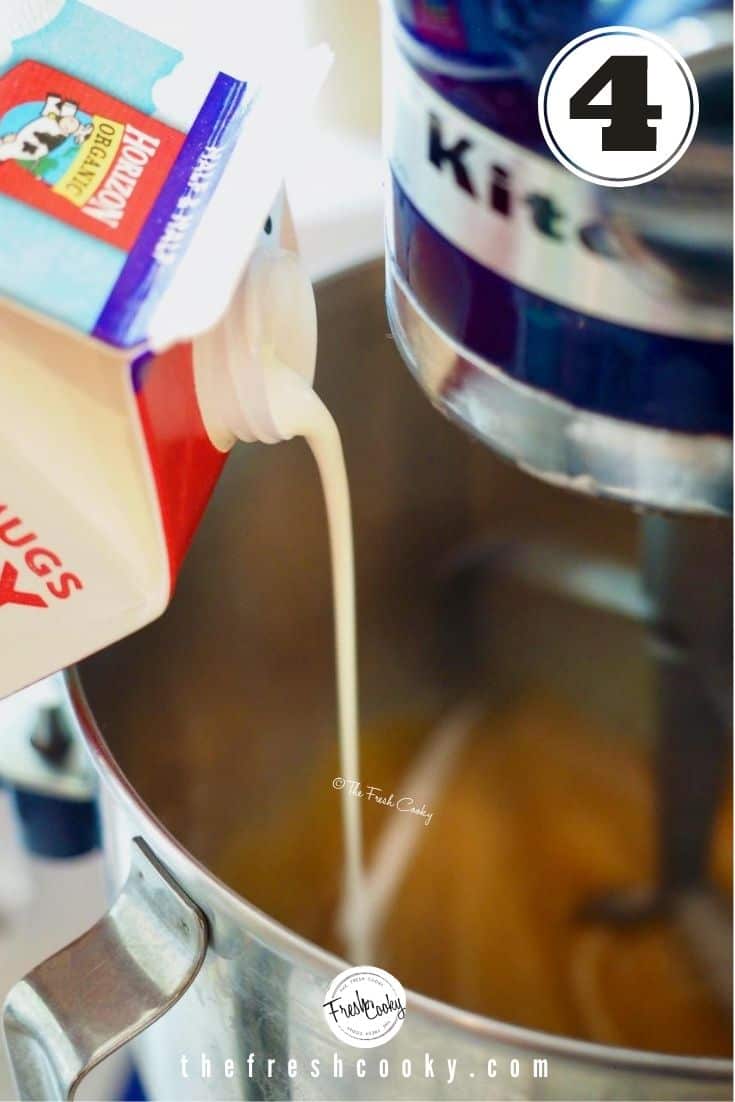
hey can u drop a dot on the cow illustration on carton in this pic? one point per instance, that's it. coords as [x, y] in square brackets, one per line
[58, 122]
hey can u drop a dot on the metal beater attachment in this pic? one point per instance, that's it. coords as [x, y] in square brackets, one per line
[683, 594]
[687, 573]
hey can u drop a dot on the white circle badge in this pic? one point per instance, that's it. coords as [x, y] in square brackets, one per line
[365, 1007]
[618, 106]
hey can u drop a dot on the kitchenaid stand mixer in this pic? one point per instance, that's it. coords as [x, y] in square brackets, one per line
[640, 417]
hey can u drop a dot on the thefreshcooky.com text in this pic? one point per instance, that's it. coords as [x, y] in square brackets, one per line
[446, 1069]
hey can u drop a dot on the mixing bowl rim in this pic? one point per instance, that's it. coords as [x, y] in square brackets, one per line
[302, 952]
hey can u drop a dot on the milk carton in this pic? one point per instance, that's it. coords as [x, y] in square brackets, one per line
[145, 258]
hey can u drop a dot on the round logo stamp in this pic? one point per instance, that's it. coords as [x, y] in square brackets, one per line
[365, 1007]
[618, 106]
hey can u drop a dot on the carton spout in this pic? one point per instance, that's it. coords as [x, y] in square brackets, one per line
[270, 330]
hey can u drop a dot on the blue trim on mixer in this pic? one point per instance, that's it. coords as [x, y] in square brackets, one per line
[510, 46]
[629, 374]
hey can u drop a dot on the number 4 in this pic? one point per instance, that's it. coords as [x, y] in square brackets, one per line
[628, 110]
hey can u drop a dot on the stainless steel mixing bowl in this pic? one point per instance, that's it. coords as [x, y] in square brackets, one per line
[201, 725]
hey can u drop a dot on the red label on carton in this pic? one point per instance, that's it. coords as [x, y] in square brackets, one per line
[79, 155]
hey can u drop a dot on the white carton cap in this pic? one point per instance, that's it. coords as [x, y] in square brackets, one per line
[269, 332]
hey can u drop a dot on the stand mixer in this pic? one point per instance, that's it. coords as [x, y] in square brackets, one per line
[542, 373]
[585, 334]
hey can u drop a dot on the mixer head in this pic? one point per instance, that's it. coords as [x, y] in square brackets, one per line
[584, 332]
[581, 331]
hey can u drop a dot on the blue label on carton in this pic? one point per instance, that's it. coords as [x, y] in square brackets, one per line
[100, 191]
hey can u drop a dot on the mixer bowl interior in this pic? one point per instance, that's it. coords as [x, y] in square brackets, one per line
[222, 714]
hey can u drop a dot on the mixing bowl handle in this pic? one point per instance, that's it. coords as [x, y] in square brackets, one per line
[99, 992]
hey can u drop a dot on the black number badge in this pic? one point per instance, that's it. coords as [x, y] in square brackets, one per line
[618, 106]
